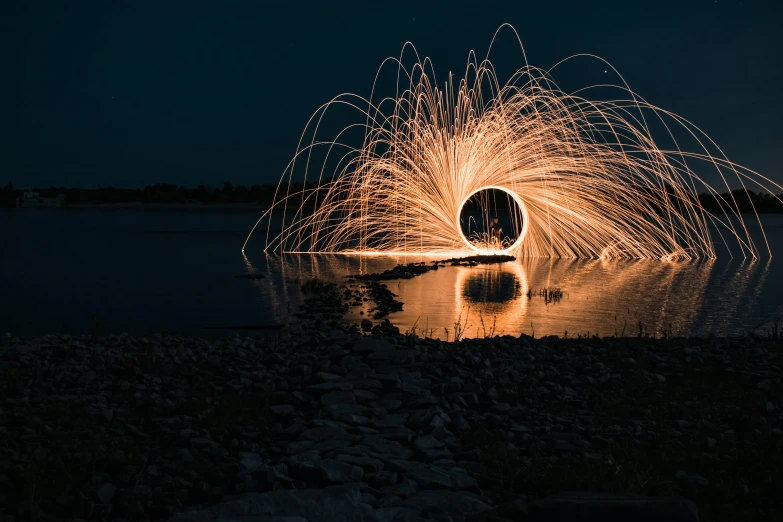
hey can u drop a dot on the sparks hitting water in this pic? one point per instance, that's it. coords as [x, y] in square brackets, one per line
[586, 177]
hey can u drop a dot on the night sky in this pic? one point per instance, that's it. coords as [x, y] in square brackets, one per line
[194, 91]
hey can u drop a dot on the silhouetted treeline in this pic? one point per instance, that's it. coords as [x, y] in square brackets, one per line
[8, 196]
[763, 203]
[264, 195]
[746, 202]
[158, 193]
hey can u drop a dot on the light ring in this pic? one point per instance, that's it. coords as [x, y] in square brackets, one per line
[522, 233]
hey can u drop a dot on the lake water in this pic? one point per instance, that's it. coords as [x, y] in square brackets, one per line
[142, 271]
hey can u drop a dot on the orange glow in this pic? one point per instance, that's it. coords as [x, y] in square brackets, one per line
[587, 175]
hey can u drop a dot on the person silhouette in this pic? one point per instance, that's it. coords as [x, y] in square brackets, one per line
[495, 230]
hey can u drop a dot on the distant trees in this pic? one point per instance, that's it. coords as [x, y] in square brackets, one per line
[747, 202]
[264, 195]
[8, 196]
[157, 193]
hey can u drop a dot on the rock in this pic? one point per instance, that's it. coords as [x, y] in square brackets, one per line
[327, 377]
[512, 511]
[364, 396]
[419, 419]
[369, 464]
[393, 420]
[392, 501]
[368, 345]
[106, 493]
[326, 432]
[400, 434]
[384, 449]
[296, 448]
[459, 424]
[186, 456]
[691, 480]
[284, 410]
[250, 461]
[393, 356]
[201, 442]
[381, 479]
[330, 386]
[327, 470]
[366, 384]
[331, 504]
[457, 505]
[387, 404]
[429, 477]
[366, 325]
[430, 448]
[396, 514]
[404, 489]
[337, 397]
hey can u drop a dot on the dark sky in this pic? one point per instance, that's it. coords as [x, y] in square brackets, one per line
[194, 91]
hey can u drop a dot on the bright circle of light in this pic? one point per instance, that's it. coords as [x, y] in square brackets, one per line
[522, 210]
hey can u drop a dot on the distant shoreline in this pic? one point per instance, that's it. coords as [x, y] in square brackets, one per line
[240, 207]
[156, 206]
[174, 206]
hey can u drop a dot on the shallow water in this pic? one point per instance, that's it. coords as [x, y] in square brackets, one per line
[66, 270]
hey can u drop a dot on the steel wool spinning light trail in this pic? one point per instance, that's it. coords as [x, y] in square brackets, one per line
[586, 177]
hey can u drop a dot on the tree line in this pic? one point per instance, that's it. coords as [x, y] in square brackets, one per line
[264, 195]
[157, 193]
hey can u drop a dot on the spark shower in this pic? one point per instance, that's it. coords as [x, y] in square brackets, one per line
[586, 177]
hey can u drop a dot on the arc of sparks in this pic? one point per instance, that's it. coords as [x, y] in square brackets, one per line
[588, 176]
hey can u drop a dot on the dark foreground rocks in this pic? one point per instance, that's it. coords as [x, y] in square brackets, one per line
[324, 423]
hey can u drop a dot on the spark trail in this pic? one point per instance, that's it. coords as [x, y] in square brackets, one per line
[586, 175]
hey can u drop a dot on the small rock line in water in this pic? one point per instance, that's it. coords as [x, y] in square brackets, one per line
[384, 299]
[411, 270]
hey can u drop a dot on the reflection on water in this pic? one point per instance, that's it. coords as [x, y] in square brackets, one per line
[142, 277]
[600, 297]
[490, 287]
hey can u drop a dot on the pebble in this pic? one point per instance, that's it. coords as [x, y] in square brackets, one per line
[399, 430]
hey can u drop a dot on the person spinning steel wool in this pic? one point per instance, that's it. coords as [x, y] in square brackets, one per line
[495, 230]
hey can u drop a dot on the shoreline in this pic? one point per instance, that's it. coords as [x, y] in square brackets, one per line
[150, 428]
[330, 421]
[209, 206]
[153, 206]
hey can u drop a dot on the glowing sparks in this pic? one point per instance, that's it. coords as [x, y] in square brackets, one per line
[586, 175]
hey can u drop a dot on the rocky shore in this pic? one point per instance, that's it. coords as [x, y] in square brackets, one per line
[335, 422]
[324, 423]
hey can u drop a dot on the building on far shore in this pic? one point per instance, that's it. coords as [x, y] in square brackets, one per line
[32, 199]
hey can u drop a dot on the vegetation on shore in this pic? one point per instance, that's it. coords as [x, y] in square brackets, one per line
[263, 194]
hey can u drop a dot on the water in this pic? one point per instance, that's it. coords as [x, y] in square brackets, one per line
[142, 271]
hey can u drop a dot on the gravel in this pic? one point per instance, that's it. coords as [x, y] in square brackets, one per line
[325, 422]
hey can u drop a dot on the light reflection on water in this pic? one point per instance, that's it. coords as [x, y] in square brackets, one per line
[606, 297]
[600, 297]
[69, 270]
